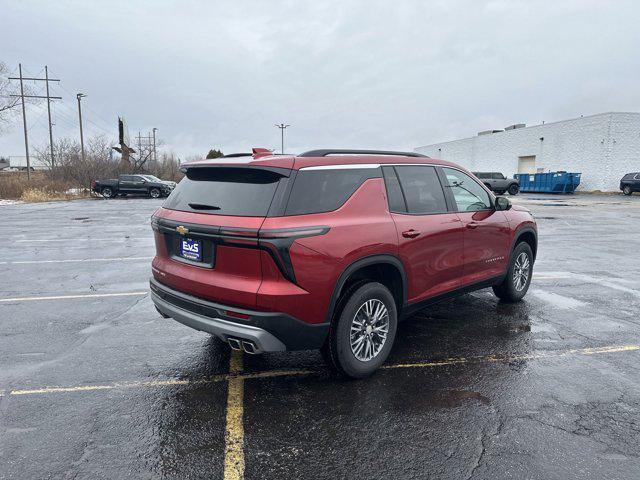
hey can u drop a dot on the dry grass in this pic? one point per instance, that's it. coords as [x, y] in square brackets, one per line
[16, 186]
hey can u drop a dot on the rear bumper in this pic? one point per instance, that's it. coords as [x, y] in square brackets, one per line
[269, 332]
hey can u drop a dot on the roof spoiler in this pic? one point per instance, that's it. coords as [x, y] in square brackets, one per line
[337, 151]
[261, 152]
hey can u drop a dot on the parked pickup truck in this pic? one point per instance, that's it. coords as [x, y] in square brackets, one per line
[498, 183]
[147, 185]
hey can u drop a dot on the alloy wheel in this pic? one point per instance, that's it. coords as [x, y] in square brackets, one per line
[521, 271]
[369, 330]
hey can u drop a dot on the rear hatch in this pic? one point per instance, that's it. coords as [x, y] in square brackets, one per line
[207, 231]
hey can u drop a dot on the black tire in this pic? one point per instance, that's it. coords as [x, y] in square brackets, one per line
[155, 192]
[107, 192]
[501, 192]
[510, 290]
[627, 190]
[338, 351]
[514, 189]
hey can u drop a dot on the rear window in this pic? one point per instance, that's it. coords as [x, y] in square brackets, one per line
[325, 190]
[225, 191]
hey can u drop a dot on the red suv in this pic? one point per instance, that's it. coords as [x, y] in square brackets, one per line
[330, 249]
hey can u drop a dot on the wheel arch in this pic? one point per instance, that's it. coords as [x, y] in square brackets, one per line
[384, 268]
[528, 235]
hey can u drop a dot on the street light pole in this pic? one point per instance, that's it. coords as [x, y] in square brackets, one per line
[282, 126]
[79, 96]
[155, 155]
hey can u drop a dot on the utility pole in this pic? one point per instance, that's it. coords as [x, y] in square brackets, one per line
[155, 155]
[24, 113]
[24, 124]
[282, 126]
[46, 76]
[79, 96]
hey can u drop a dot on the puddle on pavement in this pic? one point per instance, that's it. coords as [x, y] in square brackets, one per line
[557, 300]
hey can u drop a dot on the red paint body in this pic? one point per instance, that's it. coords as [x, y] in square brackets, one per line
[440, 253]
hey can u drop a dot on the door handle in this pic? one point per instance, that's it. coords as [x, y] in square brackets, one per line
[411, 233]
[472, 225]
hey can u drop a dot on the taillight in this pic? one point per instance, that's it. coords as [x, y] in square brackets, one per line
[276, 241]
[93, 184]
[293, 232]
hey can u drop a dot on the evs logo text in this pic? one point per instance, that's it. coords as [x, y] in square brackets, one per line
[190, 247]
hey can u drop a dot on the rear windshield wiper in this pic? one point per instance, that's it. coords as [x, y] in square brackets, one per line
[203, 206]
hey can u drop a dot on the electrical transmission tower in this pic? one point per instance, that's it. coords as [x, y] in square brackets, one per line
[24, 114]
[147, 148]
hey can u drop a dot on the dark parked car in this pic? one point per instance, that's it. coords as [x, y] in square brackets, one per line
[630, 183]
[497, 182]
[330, 249]
[147, 185]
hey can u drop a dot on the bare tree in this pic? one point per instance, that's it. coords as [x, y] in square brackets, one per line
[69, 165]
[8, 105]
[168, 167]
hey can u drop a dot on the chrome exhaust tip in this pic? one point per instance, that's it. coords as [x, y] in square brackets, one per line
[249, 347]
[234, 343]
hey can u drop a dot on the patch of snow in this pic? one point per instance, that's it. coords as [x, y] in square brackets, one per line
[9, 202]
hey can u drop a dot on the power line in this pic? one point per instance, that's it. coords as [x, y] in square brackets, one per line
[87, 107]
[24, 115]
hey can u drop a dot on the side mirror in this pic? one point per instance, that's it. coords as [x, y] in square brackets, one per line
[502, 203]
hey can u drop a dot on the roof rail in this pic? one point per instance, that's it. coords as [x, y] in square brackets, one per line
[337, 151]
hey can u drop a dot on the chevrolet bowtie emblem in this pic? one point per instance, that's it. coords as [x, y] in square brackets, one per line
[181, 230]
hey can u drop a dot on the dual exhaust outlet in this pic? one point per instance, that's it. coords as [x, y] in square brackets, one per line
[243, 345]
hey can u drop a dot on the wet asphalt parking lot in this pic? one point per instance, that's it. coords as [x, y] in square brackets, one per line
[95, 384]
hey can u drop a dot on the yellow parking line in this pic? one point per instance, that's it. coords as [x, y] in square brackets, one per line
[234, 433]
[514, 358]
[235, 372]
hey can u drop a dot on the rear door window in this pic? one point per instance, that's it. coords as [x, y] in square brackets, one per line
[324, 190]
[243, 192]
[421, 189]
[468, 194]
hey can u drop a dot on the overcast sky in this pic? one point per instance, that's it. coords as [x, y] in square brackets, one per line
[362, 74]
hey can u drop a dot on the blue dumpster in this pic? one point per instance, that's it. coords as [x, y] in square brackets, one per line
[551, 182]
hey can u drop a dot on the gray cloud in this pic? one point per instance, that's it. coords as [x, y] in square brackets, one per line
[342, 73]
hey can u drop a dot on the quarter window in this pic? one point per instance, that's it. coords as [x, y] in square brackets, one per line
[422, 189]
[468, 193]
[318, 191]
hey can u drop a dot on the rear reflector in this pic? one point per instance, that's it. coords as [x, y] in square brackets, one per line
[243, 316]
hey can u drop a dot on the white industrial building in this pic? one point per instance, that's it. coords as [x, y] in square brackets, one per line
[602, 147]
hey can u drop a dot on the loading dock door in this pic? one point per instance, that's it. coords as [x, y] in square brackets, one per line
[527, 164]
